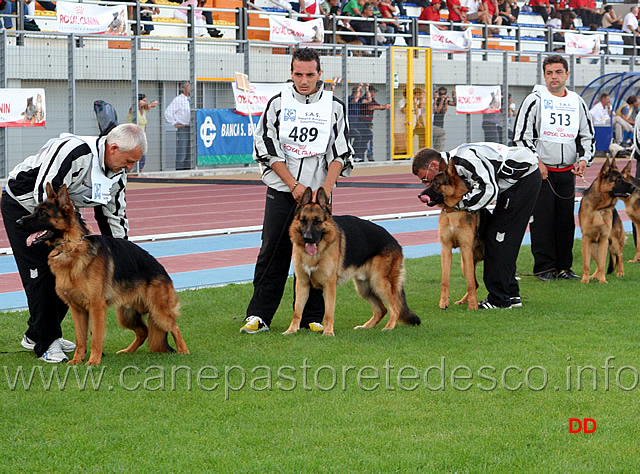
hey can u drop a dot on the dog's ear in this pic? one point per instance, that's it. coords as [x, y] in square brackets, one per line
[322, 199]
[452, 168]
[613, 164]
[606, 168]
[50, 193]
[443, 165]
[306, 197]
[63, 197]
[626, 171]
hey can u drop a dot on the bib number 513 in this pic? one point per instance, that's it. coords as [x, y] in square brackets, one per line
[562, 119]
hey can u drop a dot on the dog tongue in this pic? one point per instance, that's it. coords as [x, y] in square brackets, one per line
[33, 237]
[424, 198]
[311, 249]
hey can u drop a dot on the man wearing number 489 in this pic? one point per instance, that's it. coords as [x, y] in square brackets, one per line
[555, 123]
[301, 141]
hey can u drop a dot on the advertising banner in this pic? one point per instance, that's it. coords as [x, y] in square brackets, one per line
[224, 137]
[22, 108]
[478, 99]
[89, 18]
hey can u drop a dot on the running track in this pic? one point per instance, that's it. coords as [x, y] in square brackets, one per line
[224, 258]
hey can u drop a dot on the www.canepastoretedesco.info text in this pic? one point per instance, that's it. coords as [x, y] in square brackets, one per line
[306, 376]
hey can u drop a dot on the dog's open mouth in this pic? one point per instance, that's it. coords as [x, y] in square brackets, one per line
[38, 237]
[311, 249]
[426, 198]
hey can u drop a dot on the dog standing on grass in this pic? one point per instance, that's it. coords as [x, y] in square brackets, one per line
[330, 250]
[632, 207]
[95, 271]
[456, 229]
[600, 229]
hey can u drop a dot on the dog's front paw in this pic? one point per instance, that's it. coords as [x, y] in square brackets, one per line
[289, 331]
[328, 332]
[74, 361]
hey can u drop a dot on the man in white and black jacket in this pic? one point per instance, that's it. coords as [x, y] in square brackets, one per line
[508, 176]
[94, 170]
[555, 123]
[301, 141]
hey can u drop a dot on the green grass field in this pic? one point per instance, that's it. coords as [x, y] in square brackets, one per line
[465, 391]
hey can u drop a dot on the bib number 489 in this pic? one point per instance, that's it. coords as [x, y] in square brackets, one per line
[304, 134]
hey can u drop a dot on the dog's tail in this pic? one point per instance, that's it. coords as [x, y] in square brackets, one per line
[406, 315]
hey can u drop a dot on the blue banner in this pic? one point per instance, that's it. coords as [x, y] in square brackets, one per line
[224, 137]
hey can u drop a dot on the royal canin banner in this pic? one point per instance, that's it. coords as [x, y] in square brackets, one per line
[258, 97]
[581, 44]
[450, 40]
[285, 30]
[478, 99]
[22, 108]
[88, 18]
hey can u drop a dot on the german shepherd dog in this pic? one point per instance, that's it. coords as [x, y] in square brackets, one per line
[330, 250]
[596, 216]
[456, 229]
[95, 271]
[632, 207]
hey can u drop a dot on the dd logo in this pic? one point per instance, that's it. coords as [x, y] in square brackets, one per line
[576, 425]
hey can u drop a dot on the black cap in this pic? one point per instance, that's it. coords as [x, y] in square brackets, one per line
[141, 96]
[373, 89]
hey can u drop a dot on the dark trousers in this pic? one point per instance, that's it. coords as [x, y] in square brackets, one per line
[183, 149]
[503, 236]
[492, 132]
[364, 137]
[274, 260]
[633, 227]
[553, 226]
[46, 309]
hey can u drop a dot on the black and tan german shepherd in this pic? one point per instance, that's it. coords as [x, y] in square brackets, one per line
[600, 230]
[632, 207]
[95, 271]
[330, 250]
[456, 229]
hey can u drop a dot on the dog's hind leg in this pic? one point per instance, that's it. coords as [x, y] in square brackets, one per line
[130, 318]
[636, 258]
[81, 325]
[158, 338]
[164, 313]
[363, 288]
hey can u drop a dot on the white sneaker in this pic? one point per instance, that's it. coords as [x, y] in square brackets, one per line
[54, 354]
[253, 325]
[66, 346]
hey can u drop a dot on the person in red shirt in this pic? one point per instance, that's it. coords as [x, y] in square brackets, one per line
[454, 8]
[431, 13]
[542, 8]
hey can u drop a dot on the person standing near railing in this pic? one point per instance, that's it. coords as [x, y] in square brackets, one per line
[178, 114]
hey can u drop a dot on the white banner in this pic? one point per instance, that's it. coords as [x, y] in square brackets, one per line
[22, 108]
[450, 40]
[478, 99]
[581, 44]
[258, 96]
[89, 18]
[285, 30]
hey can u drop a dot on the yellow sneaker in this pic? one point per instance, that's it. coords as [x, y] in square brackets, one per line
[253, 325]
[316, 327]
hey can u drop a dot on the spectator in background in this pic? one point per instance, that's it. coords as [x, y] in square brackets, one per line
[400, 126]
[477, 11]
[601, 112]
[610, 19]
[542, 8]
[419, 116]
[353, 108]
[455, 12]
[389, 13]
[586, 10]
[630, 25]
[178, 114]
[365, 26]
[492, 127]
[183, 14]
[508, 11]
[368, 104]
[624, 120]
[146, 14]
[494, 17]
[512, 111]
[353, 8]
[8, 7]
[441, 103]
[431, 13]
[143, 107]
